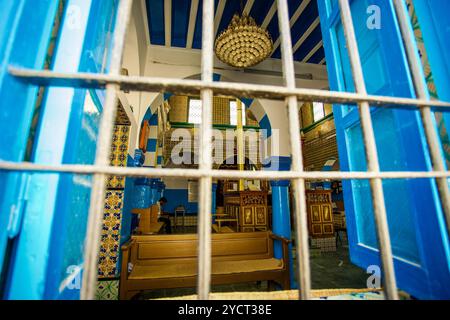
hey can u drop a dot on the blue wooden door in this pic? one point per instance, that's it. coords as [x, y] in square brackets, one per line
[46, 257]
[25, 29]
[416, 224]
[434, 27]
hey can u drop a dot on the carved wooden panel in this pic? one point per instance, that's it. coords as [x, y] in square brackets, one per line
[261, 216]
[320, 214]
[248, 217]
[250, 207]
[253, 199]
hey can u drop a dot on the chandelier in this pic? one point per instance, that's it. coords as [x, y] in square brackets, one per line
[243, 44]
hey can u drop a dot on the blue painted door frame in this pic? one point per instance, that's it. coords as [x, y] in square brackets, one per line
[46, 261]
[435, 27]
[416, 225]
[25, 29]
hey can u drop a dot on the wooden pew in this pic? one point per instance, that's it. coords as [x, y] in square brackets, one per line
[170, 261]
[222, 229]
[148, 222]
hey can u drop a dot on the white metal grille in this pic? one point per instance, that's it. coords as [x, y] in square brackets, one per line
[114, 82]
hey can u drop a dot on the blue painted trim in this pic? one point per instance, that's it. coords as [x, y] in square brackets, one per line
[153, 120]
[28, 272]
[435, 27]
[217, 77]
[247, 102]
[277, 163]
[42, 274]
[151, 145]
[264, 124]
[23, 23]
[167, 96]
[148, 114]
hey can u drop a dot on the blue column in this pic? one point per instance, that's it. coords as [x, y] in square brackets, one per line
[142, 193]
[281, 223]
[153, 191]
[159, 189]
[213, 201]
[163, 188]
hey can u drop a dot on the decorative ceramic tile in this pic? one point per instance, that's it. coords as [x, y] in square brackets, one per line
[122, 117]
[110, 239]
[107, 290]
[119, 155]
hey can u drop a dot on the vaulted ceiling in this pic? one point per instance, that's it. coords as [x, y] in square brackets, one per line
[178, 23]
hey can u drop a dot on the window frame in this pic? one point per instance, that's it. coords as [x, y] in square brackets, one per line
[188, 109]
[205, 174]
[244, 114]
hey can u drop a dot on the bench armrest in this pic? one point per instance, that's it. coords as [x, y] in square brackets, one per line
[127, 245]
[126, 257]
[282, 239]
[284, 244]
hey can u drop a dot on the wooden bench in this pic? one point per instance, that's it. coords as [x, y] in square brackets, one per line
[222, 229]
[148, 222]
[170, 261]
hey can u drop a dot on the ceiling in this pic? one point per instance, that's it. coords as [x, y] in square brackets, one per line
[178, 23]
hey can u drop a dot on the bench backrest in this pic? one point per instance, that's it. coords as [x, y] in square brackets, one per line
[148, 216]
[163, 249]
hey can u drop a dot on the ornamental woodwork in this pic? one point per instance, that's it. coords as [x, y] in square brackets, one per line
[320, 213]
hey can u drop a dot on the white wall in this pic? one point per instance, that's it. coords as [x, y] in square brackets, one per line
[135, 53]
[277, 112]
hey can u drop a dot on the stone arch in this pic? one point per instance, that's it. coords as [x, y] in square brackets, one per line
[252, 105]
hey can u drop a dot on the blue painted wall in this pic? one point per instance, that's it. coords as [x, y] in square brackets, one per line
[176, 197]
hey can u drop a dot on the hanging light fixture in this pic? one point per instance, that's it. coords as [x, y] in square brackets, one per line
[243, 44]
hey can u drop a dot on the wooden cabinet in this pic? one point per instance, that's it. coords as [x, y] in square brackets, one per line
[320, 213]
[250, 207]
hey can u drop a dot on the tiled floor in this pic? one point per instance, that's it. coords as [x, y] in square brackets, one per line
[328, 271]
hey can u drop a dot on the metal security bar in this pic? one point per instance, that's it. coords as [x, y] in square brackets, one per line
[205, 156]
[187, 86]
[113, 82]
[300, 213]
[102, 156]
